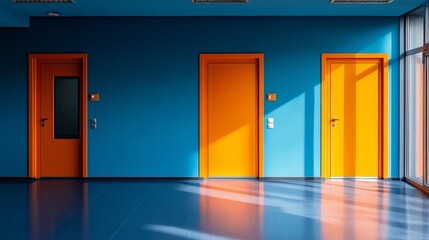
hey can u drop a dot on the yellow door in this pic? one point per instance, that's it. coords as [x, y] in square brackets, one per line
[355, 106]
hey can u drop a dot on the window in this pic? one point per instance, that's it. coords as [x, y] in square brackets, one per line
[416, 101]
[66, 107]
[415, 96]
[415, 29]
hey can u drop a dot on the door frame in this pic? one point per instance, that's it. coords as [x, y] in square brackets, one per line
[383, 170]
[203, 101]
[34, 98]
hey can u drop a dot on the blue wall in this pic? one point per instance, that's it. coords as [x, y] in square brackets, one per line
[146, 71]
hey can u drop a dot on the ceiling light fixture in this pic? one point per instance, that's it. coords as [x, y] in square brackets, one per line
[53, 14]
[43, 1]
[220, 1]
[361, 1]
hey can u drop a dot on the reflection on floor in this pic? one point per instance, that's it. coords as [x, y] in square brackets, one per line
[212, 209]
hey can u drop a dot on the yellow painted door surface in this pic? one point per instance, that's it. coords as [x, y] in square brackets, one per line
[232, 119]
[355, 103]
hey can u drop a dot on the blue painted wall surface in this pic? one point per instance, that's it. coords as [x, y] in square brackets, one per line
[146, 71]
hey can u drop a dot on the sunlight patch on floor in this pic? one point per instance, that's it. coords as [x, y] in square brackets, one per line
[180, 232]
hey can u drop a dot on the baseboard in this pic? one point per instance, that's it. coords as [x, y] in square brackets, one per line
[291, 178]
[393, 179]
[16, 179]
[141, 178]
[364, 179]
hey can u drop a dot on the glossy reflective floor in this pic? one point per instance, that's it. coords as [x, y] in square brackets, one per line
[212, 209]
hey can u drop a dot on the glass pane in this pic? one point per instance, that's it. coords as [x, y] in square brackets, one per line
[414, 117]
[427, 25]
[415, 26]
[427, 121]
[66, 107]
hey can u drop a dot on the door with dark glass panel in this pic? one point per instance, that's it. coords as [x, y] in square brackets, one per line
[60, 108]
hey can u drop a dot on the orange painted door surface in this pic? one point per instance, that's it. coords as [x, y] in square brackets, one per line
[60, 147]
[232, 119]
[355, 118]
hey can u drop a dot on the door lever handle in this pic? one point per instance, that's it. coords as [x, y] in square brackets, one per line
[335, 119]
[44, 119]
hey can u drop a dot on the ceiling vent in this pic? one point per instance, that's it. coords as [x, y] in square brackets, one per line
[362, 1]
[219, 1]
[43, 1]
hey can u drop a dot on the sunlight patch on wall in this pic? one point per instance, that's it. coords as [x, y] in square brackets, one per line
[285, 144]
[384, 42]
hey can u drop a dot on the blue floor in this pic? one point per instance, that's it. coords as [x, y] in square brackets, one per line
[212, 209]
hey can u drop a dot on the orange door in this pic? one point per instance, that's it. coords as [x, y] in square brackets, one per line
[60, 110]
[232, 109]
[355, 117]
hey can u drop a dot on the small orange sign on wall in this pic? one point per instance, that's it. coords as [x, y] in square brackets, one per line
[94, 97]
[271, 97]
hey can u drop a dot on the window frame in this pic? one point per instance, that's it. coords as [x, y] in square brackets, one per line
[406, 52]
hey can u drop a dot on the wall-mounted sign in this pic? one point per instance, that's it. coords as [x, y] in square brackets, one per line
[94, 97]
[271, 97]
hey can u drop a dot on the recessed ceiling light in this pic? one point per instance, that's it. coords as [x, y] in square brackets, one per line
[362, 1]
[219, 1]
[43, 1]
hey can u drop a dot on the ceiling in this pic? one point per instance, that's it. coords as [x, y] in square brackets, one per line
[18, 14]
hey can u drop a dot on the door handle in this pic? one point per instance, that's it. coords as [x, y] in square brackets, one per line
[43, 121]
[335, 119]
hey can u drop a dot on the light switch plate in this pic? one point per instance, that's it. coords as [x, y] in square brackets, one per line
[270, 125]
[270, 120]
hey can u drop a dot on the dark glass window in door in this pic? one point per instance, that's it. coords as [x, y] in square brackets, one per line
[66, 107]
